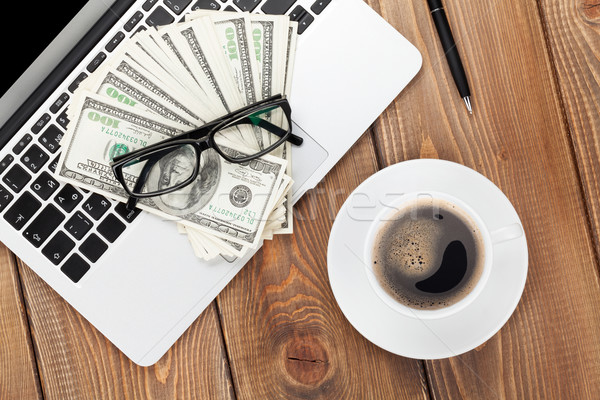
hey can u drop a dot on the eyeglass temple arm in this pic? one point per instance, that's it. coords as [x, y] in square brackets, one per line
[274, 129]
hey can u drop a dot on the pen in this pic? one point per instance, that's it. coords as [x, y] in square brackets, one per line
[445, 34]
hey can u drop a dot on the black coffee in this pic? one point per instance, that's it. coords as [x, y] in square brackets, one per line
[429, 255]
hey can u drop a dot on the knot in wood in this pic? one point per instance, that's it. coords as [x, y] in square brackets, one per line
[306, 360]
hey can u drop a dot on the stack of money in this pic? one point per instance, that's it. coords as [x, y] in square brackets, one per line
[166, 81]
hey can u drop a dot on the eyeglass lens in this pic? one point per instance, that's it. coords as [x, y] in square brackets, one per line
[161, 170]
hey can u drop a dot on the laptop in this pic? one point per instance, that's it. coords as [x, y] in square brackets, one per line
[131, 274]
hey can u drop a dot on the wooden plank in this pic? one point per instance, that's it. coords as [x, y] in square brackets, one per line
[18, 371]
[573, 31]
[78, 362]
[517, 137]
[285, 334]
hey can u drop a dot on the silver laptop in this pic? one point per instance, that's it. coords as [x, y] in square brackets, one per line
[132, 275]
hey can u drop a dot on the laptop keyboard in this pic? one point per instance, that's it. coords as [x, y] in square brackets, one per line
[72, 227]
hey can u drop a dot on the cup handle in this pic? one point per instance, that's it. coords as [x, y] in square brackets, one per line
[506, 233]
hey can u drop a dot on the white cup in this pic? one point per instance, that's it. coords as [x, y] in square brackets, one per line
[488, 238]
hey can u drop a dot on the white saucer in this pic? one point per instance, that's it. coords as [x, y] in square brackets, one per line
[408, 336]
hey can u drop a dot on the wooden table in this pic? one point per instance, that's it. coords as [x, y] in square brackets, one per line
[276, 330]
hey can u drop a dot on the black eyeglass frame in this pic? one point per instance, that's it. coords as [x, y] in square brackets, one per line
[202, 139]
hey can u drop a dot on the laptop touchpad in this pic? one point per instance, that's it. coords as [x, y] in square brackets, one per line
[305, 158]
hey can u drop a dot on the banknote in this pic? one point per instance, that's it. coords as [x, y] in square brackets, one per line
[290, 56]
[233, 35]
[269, 34]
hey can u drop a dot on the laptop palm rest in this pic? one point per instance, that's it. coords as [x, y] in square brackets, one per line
[306, 159]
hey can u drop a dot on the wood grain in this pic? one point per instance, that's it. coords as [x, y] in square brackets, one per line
[18, 371]
[517, 138]
[286, 336]
[78, 362]
[573, 33]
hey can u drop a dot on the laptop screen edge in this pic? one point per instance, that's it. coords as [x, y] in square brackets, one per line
[47, 61]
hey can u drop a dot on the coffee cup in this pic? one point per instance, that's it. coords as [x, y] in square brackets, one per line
[434, 251]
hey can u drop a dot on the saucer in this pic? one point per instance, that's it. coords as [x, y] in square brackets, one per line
[408, 336]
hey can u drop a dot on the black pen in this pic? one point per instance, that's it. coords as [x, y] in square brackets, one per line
[445, 33]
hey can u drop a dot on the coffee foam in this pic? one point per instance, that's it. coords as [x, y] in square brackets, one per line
[409, 248]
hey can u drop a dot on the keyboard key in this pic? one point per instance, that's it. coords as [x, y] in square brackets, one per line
[114, 42]
[16, 178]
[159, 16]
[177, 6]
[304, 23]
[75, 268]
[78, 225]
[22, 210]
[278, 7]
[246, 5]
[58, 248]
[43, 225]
[63, 120]
[229, 8]
[319, 6]
[127, 215]
[149, 4]
[137, 17]
[37, 128]
[51, 138]
[34, 158]
[206, 5]
[54, 164]
[303, 17]
[6, 162]
[96, 62]
[59, 103]
[68, 198]
[19, 147]
[96, 206]
[80, 78]
[44, 186]
[111, 228]
[5, 198]
[93, 247]
[296, 13]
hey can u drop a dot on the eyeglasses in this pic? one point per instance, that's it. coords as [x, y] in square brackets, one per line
[176, 162]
